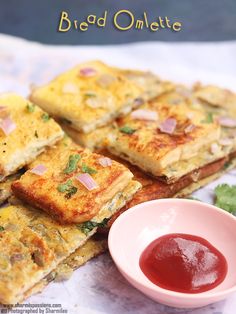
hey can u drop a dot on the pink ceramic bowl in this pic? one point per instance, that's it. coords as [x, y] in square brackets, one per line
[140, 225]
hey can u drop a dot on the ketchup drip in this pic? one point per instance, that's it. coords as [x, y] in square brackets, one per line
[183, 263]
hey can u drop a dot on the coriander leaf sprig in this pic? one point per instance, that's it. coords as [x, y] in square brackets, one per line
[88, 226]
[67, 188]
[209, 118]
[30, 107]
[226, 197]
[87, 169]
[72, 164]
[127, 130]
[45, 117]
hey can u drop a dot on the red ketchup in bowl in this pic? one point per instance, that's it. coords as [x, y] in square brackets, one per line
[183, 263]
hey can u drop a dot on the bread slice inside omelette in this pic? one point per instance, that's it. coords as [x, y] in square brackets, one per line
[75, 186]
[164, 153]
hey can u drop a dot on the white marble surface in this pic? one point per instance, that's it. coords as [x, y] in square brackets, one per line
[97, 287]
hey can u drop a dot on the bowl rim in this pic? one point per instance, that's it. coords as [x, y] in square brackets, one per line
[154, 288]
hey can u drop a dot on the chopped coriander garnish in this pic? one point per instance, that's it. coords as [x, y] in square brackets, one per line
[30, 107]
[88, 226]
[65, 139]
[71, 191]
[63, 187]
[209, 118]
[227, 165]
[72, 163]
[90, 95]
[2, 228]
[103, 223]
[36, 134]
[226, 197]
[87, 169]
[67, 188]
[45, 117]
[127, 130]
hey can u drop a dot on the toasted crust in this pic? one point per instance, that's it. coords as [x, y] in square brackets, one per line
[154, 189]
[167, 155]
[83, 205]
[88, 104]
[188, 190]
[33, 133]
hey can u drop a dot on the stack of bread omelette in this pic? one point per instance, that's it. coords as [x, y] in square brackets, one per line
[87, 146]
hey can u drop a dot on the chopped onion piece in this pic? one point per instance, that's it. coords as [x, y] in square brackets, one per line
[105, 161]
[87, 181]
[94, 102]
[227, 122]
[70, 88]
[225, 141]
[214, 148]
[190, 115]
[7, 125]
[105, 80]
[87, 72]
[142, 114]
[189, 128]
[39, 170]
[168, 126]
[138, 101]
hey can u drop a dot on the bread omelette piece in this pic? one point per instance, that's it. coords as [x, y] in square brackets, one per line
[25, 131]
[198, 98]
[88, 96]
[167, 141]
[32, 244]
[93, 247]
[74, 186]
